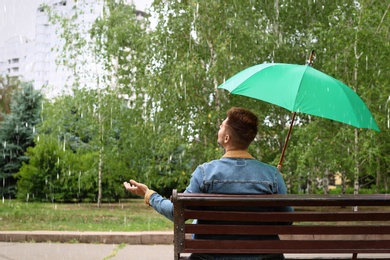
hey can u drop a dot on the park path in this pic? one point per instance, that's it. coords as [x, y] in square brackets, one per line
[53, 245]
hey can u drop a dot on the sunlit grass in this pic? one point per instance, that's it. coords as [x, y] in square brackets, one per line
[132, 215]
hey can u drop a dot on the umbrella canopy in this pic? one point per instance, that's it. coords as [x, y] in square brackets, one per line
[301, 88]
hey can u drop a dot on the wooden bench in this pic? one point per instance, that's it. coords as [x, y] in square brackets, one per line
[322, 224]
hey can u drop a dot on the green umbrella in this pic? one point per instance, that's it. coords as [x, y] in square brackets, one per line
[301, 88]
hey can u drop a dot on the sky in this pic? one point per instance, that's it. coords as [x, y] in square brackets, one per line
[17, 17]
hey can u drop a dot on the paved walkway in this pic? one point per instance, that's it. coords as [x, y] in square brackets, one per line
[40, 245]
[61, 251]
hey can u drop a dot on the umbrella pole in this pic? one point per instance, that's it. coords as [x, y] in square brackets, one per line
[286, 142]
[310, 63]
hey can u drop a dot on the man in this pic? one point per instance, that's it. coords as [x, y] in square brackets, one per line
[236, 172]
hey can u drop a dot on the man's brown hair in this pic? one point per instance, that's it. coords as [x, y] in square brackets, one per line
[244, 125]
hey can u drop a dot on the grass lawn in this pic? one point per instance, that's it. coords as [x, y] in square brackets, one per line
[132, 215]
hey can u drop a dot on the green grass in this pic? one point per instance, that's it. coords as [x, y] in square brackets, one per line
[132, 215]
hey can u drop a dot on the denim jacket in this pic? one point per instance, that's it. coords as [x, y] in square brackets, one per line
[234, 173]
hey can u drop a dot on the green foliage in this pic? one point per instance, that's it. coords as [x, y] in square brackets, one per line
[56, 174]
[199, 44]
[356, 53]
[153, 113]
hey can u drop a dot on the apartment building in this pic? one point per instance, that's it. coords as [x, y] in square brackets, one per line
[36, 59]
[15, 56]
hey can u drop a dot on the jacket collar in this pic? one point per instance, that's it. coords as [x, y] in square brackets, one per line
[238, 154]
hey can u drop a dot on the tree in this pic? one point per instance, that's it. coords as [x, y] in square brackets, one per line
[56, 173]
[18, 130]
[96, 91]
[119, 47]
[356, 48]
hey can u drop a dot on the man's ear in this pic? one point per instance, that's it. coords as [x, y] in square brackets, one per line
[226, 138]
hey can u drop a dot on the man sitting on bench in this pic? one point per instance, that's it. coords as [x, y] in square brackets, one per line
[237, 172]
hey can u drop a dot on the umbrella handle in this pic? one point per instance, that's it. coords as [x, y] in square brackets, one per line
[286, 142]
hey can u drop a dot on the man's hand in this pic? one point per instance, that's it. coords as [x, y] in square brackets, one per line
[136, 188]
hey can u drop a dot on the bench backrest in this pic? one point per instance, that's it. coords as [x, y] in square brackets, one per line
[322, 223]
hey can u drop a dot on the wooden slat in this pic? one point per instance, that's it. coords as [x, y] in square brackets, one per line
[295, 246]
[270, 230]
[284, 200]
[286, 216]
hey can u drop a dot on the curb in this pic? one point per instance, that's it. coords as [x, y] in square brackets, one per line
[131, 238]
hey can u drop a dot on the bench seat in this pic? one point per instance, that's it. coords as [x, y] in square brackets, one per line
[321, 223]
